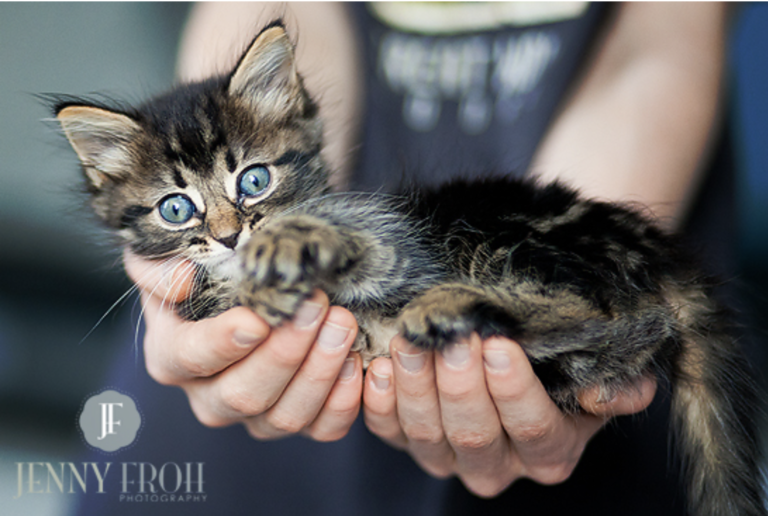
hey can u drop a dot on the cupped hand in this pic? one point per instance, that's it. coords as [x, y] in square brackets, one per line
[477, 410]
[234, 368]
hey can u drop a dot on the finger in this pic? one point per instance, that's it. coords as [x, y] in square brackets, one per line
[169, 279]
[470, 420]
[178, 350]
[306, 393]
[633, 399]
[379, 403]
[418, 408]
[343, 403]
[548, 443]
[252, 385]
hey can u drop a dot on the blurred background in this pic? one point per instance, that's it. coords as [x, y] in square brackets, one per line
[57, 281]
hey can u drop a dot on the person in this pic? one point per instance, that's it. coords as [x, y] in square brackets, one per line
[631, 119]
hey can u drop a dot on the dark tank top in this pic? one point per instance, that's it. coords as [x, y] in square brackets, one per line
[463, 90]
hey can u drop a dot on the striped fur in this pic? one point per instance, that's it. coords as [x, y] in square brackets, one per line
[595, 293]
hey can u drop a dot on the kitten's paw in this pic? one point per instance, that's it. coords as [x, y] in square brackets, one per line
[449, 313]
[286, 261]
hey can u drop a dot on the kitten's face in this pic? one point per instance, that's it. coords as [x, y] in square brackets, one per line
[193, 173]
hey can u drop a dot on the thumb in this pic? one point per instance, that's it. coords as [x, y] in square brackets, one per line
[169, 279]
[634, 398]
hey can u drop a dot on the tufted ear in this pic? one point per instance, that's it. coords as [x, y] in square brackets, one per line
[101, 140]
[266, 75]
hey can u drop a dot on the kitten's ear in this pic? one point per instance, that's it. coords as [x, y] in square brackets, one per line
[266, 75]
[100, 139]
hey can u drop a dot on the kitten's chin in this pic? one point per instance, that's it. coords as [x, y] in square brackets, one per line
[225, 268]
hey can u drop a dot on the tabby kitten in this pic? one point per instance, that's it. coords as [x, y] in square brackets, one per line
[227, 173]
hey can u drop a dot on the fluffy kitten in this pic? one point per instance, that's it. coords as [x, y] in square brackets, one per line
[227, 173]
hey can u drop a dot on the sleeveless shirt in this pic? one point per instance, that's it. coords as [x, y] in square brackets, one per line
[469, 92]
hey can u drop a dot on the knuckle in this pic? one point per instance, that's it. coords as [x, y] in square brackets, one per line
[553, 473]
[469, 441]
[237, 400]
[209, 419]
[203, 412]
[379, 411]
[386, 430]
[285, 423]
[387, 433]
[192, 369]
[256, 432]
[321, 376]
[288, 355]
[190, 364]
[515, 389]
[423, 434]
[383, 428]
[223, 355]
[455, 394]
[343, 410]
[531, 433]
[328, 435]
[439, 472]
[159, 373]
[484, 487]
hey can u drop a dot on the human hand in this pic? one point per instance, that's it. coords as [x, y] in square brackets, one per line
[478, 411]
[298, 378]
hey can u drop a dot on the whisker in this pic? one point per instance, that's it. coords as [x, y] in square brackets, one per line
[152, 293]
[117, 303]
[175, 287]
[179, 282]
[127, 293]
[198, 276]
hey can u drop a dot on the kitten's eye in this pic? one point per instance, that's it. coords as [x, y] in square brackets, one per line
[176, 209]
[253, 181]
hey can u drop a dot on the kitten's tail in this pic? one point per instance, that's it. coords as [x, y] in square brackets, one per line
[712, 407]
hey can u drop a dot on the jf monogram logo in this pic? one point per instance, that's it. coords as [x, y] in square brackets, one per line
[110, 421]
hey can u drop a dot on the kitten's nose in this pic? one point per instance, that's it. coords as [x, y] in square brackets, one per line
[229, 241]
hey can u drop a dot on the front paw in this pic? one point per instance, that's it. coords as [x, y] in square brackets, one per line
[285, 262]
[449, 313]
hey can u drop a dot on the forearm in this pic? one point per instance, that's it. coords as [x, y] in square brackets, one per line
[638, 125]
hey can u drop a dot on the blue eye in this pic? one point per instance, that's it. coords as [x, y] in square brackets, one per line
[177, 209]
[253, 181]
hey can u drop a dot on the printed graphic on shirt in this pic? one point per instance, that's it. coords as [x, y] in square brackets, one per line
[487, 76]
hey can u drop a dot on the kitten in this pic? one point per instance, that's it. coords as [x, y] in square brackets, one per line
[227, 173]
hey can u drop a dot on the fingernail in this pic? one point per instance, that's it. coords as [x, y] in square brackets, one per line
[348, 369]
[307, 314]
[496, 360]
[245, 339]
[380, 381]
[456, 355]
[332, 336]
[411, 362]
